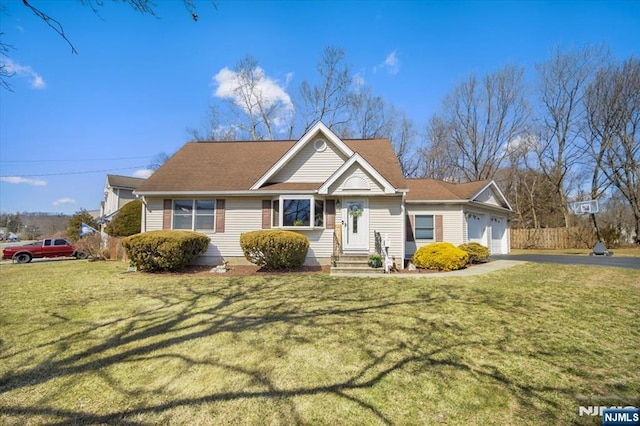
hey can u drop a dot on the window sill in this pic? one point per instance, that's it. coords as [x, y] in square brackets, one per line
[300, 228]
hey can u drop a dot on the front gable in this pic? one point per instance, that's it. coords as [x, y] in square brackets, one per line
[309, 160]
[491, 195]
[356, 175]
[314, 162]
[354, 180]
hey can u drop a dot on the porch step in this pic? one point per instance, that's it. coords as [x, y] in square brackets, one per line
[354, 264]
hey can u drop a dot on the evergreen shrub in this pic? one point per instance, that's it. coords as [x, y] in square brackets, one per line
[160, 251]
[275, 249]
[127, 221]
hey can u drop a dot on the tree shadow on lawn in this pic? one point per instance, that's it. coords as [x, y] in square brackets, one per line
[306, 315]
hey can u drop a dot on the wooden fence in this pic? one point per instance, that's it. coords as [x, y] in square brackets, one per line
[553, 238]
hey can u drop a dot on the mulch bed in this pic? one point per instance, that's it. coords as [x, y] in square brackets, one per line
[253, 270]
[247, 270]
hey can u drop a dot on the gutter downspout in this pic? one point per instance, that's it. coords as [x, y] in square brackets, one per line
[143, 222]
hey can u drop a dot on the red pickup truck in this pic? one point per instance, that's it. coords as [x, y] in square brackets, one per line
[50, 247]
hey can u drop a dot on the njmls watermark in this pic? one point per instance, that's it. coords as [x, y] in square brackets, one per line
[613, 416]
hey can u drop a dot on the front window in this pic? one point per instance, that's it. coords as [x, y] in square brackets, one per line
[194, 214]
[424, 227]
[296, 212]
[293, 212]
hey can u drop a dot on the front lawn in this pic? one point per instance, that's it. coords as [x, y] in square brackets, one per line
[84, 342]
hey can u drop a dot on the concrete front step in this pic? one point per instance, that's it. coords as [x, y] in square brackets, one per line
[350, 264]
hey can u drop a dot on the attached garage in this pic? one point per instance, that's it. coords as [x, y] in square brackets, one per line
[499, 242]
[469, 212]
[476, 228]
[489, 230]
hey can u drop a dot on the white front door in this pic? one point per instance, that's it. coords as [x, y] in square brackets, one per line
[355, 218]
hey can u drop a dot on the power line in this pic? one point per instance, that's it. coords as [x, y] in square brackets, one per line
[76, 173]
[75, 160]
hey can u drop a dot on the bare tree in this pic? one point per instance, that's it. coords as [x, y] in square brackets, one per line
[613, 117]
[563, 80]
[213, 128]
[366, 114]
[402, 134]
[256, 107]
[328, 100]
[434, 156]
[481, 117]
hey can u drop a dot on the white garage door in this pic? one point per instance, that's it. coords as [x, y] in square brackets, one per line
[476, 228]
[498, 235]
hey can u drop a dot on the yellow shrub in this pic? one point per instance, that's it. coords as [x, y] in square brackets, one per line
[477, 252]
[440, 256]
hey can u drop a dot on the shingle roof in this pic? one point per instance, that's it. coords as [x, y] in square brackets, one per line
[437, 190]
[236, 166]
[117, 181]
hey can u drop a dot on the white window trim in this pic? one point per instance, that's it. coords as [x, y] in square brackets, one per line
[312, 213]
[194, 215]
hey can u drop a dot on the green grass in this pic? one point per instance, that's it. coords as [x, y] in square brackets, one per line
[89, 343]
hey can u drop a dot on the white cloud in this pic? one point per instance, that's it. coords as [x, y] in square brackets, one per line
[358, 81]
[390, 63]
[267, 91]
[37, 82]
[18, 180]
[143, 173]
[62, 201]
[522, 145]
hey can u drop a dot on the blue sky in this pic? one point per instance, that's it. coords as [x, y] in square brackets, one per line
[139, 82]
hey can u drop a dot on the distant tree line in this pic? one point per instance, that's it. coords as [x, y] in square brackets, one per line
[34, 225]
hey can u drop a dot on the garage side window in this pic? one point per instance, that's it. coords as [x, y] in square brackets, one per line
[424, 227]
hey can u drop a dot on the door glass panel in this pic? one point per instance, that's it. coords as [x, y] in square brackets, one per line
[354, 227]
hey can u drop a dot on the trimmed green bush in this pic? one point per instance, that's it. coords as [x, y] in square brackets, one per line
[375, 261]
[476, 251]
[127, 221]
[159, 251]
[275, 249]
[440, 256]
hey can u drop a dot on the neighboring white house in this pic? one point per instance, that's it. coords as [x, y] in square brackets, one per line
[118, 191]
[344, 195]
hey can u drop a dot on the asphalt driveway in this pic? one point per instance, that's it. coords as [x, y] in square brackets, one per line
[619, 262]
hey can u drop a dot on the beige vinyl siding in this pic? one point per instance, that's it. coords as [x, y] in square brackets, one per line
[125, 196]
[355, 171]
[385, 217]
[153, 214]
[453, 224]
[489, 197]
[310, 165]
[243, 214]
